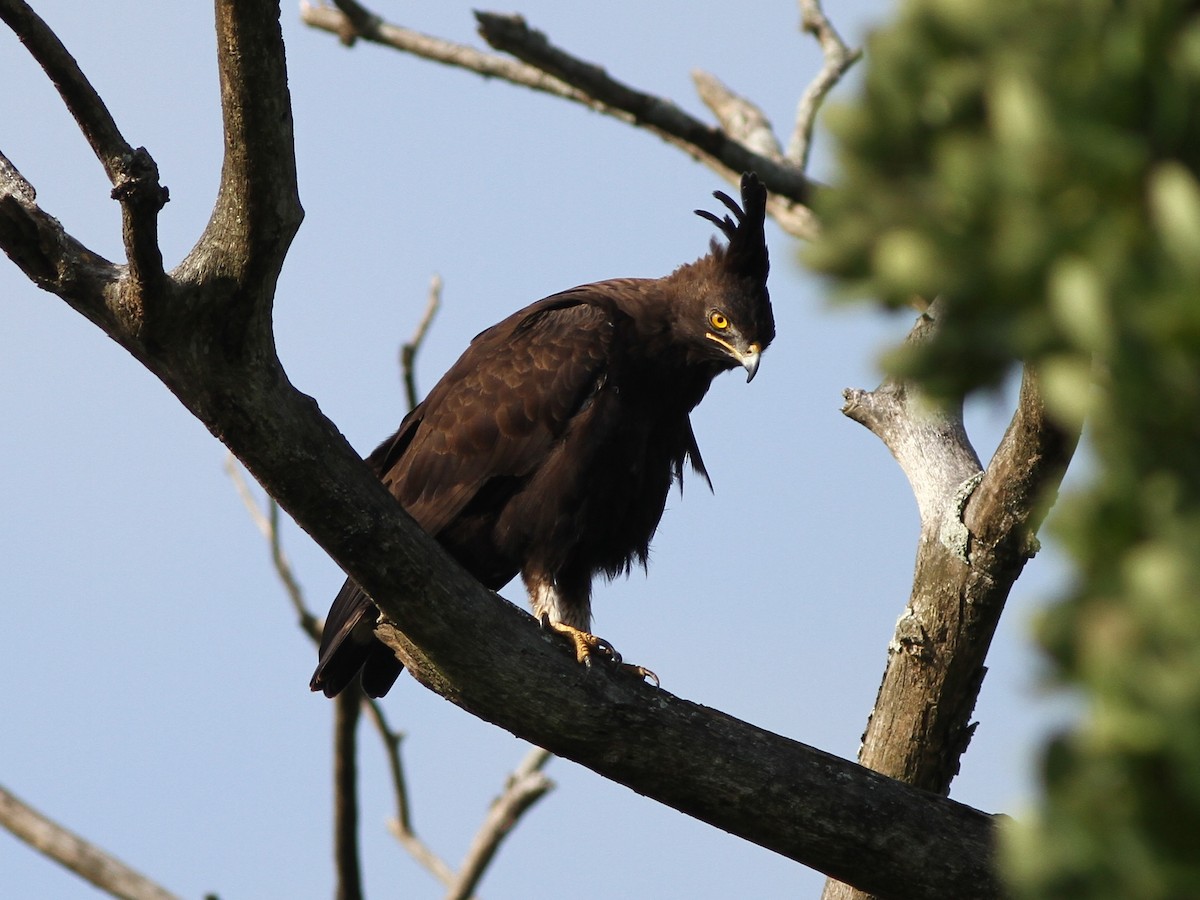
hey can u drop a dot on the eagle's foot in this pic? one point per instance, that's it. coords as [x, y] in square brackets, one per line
[589, 648]
[641, 673]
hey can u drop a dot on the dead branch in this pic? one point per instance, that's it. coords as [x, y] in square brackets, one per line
[511, 34]
[548, 69]
[978, 529]
[838, 60]
[408, 352]
[133, 174]
[89, 862]
[345, 724]
[350, 21]
[347, 707]
[525, 787]
[268, 524]
[740, 118]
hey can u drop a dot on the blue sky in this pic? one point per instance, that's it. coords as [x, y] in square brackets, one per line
[157, 696]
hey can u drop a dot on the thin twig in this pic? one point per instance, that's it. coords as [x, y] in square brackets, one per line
[85, 859]
[401, 826]
[419, 851]
[349, 21]
[268, 523]
[347, 705]
[408, 352]
[838, 59]
[525, 787]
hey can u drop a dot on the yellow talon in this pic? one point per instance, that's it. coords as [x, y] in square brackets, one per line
[589, 647]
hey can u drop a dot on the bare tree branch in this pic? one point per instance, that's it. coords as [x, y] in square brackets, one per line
[551, 70]
[350, 21]
[80, 98]
[512, 35]
[977, 532]
[67, 849]
[741, 119]
[526, 786]
[133, 173]
[838, 60]
[927, 439]
[408, 352]
[51, 258]
[257, 212]
[347, 709]
[268, 524]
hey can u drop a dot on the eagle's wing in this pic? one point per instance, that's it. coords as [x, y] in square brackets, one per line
[491, 420]
[498, 411]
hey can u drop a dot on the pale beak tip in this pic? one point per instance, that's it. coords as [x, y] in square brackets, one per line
[750, 364]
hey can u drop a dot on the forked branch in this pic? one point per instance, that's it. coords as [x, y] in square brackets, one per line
[838, 60]
[978, 530]
[729, 150]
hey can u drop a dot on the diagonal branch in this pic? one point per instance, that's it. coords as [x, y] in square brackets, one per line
[526, 786]
[724, 153]
[350, 21]
[740, 118]
[83, 858]
[80, 98]
[268, 525]
[512, 35]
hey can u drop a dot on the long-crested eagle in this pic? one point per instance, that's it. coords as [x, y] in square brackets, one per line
[549, 448]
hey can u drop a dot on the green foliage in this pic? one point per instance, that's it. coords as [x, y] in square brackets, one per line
[1037, 165]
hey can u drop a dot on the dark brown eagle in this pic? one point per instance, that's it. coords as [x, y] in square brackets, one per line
[549, 448]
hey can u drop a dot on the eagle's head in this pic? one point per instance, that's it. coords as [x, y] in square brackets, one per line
[727, 315]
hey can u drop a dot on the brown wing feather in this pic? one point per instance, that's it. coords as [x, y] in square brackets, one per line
[498, 411]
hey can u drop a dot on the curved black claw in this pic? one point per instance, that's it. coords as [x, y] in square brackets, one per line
[589, 647]
[640, 672]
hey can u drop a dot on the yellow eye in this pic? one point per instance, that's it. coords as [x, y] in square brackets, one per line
[718, 321]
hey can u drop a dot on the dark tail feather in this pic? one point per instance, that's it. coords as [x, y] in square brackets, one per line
[348, 646]
[380, 671]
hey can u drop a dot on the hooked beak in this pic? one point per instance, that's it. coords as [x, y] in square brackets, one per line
[748, 359]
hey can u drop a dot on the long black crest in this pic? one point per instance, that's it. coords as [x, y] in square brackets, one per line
[746, 253]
